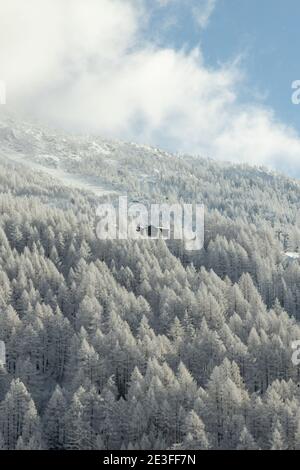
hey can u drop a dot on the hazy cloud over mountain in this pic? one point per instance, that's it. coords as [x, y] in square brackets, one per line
[111, 79]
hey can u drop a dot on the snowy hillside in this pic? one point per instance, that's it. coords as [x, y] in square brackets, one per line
[136, 344]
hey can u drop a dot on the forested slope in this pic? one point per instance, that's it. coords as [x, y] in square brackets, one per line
[137, 344]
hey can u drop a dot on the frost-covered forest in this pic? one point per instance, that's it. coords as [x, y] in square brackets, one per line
[139, 344]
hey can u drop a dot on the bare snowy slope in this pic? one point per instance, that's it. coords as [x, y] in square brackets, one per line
[84, 162]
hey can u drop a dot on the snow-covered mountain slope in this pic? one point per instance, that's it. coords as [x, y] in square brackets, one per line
[101, 332]
[145, 173]
[84, 162]
[105, 169]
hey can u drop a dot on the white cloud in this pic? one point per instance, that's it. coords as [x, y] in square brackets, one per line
[86, 65]
[203, 11]
[44, 41]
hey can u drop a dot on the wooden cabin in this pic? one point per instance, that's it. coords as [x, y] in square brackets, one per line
[152, 231]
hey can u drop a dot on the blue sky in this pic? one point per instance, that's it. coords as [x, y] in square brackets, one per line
[264, 34]
[205, 77]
